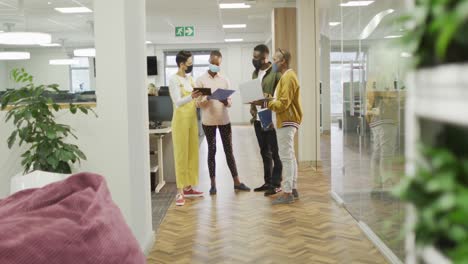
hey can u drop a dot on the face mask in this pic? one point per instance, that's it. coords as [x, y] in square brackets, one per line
[214, 68]
[257, 64]
[189, 69]
[274, 67]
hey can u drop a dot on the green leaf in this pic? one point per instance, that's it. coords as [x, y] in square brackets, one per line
[51, 134]
[444, 181]
[12, 139]
[56, 107]
[84, 110]
[72, 109]
[445, 203]
[53, 161]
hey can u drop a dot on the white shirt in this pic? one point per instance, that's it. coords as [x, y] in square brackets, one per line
[261, 74]
[176, 84]
[214, 113]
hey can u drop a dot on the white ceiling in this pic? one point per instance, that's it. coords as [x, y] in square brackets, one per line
[76, 30]
[355, 19]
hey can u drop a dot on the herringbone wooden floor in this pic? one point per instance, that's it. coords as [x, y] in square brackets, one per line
[244, 228]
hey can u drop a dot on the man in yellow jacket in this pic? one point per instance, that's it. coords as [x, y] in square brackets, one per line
[288, 112]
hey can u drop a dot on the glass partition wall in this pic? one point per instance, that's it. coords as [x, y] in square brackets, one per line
[367, 73]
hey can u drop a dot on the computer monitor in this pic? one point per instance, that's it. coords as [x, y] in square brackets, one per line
[160, 109]
[164, 91]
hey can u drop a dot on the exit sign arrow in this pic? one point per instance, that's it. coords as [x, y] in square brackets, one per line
[189, 31]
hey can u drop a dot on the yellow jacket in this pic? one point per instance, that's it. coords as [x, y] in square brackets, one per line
[287, 102]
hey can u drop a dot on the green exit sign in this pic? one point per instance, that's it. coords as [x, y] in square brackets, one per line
[186, 31]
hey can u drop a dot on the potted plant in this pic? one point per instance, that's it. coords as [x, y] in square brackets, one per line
[436, 184]
[49, 155]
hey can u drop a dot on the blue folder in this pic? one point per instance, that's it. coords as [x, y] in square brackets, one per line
[266, 118]
[221, 94]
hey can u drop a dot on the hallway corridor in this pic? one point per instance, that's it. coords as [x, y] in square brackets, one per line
[245, 228]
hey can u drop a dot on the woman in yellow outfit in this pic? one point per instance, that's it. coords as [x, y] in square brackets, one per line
[185, 128]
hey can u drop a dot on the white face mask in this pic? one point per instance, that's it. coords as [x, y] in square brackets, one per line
[214, 68]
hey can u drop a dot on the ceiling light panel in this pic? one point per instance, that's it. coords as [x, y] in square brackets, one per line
[334, 24]
[64, 62]
[24, 38]
[357, 3]
[374, 23]
[233, 6]
[73, 10]
[234, 40]
[85, 52]
[14, 55]
[234, 26]
[393, 36]
[50, 45]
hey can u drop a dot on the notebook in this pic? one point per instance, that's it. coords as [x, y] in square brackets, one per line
[252, 91]
[221, 94]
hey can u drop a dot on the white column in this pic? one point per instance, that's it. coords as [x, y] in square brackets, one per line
[308, 71]
[123, 110]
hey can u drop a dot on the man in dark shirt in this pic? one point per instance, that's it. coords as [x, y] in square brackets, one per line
[266, 138]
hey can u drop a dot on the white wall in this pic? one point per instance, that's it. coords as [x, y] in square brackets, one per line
[237, 66]
[43, 73]
[4, 75]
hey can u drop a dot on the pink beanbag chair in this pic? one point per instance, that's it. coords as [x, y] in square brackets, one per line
[67, 222]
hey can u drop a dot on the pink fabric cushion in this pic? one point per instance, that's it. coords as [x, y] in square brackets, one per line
[67, 222]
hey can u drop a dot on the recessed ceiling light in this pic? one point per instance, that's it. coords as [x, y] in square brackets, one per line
[85, 52]
[149, 42]
[233, 5]
[393, 36]
[357, 3]
[334, 24]
[64, 62]
[50, 45]
[406, 55]
[8, 55]
[235, 26]
[234, 40]
[73, 10]
[24, 38]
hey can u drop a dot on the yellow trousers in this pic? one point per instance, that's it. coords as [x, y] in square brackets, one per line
[185, 142]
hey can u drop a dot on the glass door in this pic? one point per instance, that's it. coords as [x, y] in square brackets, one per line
[367, 67]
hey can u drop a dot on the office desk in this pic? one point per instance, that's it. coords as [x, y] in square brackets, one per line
[160, 134]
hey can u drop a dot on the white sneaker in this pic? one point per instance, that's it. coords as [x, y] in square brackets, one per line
[180, 200]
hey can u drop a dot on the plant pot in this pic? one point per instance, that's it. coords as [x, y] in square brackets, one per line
[35, 179]
[431, 255]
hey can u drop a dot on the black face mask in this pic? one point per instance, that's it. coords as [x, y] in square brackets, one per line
[189, 69]
[257, 64]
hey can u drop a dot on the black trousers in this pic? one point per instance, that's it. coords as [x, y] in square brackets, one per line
[272, 166]
[226, 137]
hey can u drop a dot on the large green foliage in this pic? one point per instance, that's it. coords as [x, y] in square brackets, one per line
[439, 193]
[33, 117]
[438, 32]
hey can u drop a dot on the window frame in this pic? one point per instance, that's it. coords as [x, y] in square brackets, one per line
[195, 63]
[72, 68]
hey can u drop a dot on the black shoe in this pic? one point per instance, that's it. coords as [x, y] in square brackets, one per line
[213, 190]
[264, 187]
[295, 194]
[272, 191]
[242, 187]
